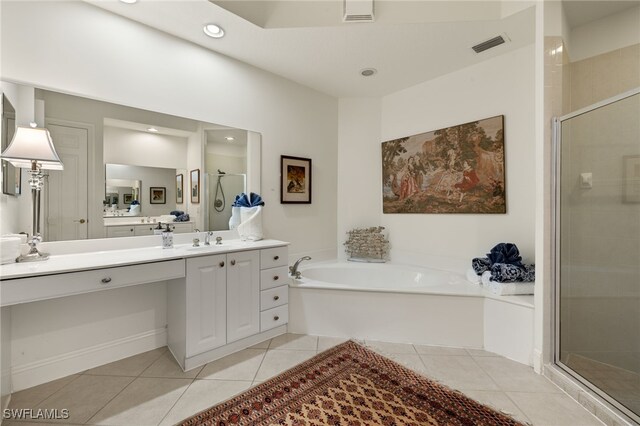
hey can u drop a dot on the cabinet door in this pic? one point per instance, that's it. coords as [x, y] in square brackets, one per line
[146, 229]
[206, 303]
[120, 231]
[243, 294]
[182, 228]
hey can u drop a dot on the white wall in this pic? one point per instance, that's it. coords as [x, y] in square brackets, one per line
[603, 35]
[500, 86]
[67, 54]
[125, 146]
[55, 45]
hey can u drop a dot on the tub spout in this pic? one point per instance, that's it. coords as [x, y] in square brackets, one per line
[293, 270]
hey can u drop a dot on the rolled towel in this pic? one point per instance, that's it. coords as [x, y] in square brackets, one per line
[182, 218]
[250, 227]
[251, 200]
[509, 273]
[480, 264]
[505, 253]
[176, 213]
[472, 277]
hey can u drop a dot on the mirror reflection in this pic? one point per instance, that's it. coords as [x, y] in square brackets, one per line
[11, 178]
[126, 168]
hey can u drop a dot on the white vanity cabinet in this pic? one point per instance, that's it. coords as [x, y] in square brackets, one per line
[120, 231]
[221, 307]
[142, 229]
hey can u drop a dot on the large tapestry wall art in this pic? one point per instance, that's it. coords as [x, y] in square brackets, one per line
[459, 169]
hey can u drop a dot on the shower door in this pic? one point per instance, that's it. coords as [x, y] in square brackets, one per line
[598, 248]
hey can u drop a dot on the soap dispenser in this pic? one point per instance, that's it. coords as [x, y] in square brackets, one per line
[158, 229]
[167, 238]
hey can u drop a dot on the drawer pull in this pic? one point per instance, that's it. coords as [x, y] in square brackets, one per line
[276, 278]
[222, 264]
[276, 297]
[276, 257]
[233, 262]
[106, 280]
[276, 318]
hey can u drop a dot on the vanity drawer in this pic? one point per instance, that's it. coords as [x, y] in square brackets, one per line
[24, 290]
[274, 317]
[274, 297]
[274, 277]
[270, 258]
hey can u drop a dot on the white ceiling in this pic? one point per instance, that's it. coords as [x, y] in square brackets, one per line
[580, 12]
[409, 43]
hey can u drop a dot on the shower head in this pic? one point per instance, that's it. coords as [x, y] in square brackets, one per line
[220, 172]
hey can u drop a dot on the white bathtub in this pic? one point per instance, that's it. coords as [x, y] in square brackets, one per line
[406, 304]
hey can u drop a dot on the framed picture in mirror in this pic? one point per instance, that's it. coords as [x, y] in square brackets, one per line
[11, 176]
[179, 189]
[127, 198]
[158, 195]
[195, 186]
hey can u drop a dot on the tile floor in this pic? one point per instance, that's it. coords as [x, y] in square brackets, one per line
[151, 389]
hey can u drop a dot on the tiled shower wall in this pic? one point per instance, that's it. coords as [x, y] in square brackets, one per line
[601, 232]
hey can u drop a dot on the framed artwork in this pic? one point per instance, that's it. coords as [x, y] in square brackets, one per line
[458, 169]
[179, 189]
[295, 181]
[195, 186]
[631, 179]
[127, 198]
[158, 195]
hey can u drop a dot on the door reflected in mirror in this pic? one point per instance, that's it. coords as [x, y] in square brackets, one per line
[11, 176]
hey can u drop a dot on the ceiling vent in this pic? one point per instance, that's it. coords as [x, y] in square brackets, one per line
[486, 45]
[358, 11]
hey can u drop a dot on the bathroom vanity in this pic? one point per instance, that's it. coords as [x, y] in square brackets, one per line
[220, 298]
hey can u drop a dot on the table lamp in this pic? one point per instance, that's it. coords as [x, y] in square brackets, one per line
[32, 148]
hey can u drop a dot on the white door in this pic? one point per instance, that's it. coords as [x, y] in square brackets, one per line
[66, 190]
[243, 294]
[206, 303]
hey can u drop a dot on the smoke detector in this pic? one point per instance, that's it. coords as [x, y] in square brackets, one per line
[358, 11]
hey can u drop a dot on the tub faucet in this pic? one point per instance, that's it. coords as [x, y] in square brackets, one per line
[293, 270]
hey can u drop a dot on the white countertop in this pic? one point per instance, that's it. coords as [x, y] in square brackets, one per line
[63, 263]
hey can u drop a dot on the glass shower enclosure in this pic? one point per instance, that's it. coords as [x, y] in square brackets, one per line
[222, 191]
[597, 246]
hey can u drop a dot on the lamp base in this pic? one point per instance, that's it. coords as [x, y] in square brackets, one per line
[34, 255]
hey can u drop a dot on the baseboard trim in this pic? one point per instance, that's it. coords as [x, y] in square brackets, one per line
[537, 361]
[52, 368]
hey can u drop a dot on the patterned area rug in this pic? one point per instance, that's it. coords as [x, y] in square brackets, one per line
[350, 385]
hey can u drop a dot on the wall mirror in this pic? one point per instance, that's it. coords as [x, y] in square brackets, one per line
[115, 154]
[11, 177]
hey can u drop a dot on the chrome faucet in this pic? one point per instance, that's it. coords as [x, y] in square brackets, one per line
[207, 238]
[293, 270]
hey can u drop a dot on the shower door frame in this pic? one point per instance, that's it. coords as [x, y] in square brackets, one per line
[555, 247]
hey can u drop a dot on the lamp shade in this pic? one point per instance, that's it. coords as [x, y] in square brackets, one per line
[32, 144]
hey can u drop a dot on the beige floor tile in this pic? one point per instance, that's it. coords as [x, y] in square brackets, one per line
[325, 343]
[513, 376]
[480, 352]
[457, 372]
[241, 365]
[440, 350]
[131, 366]
[552, 409]
[85, 396]
[144, 402]
[203, 394]
[261, 345]
[294, 342]
[412, 361]
[390, 348]
[167, 367]
[277, 361]
[499, 401]
[30, 398]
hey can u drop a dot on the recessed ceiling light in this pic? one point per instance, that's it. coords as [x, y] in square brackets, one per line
[129, 1]
[152, 130]
[213, 30]
[368, 72]
[230, 138]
